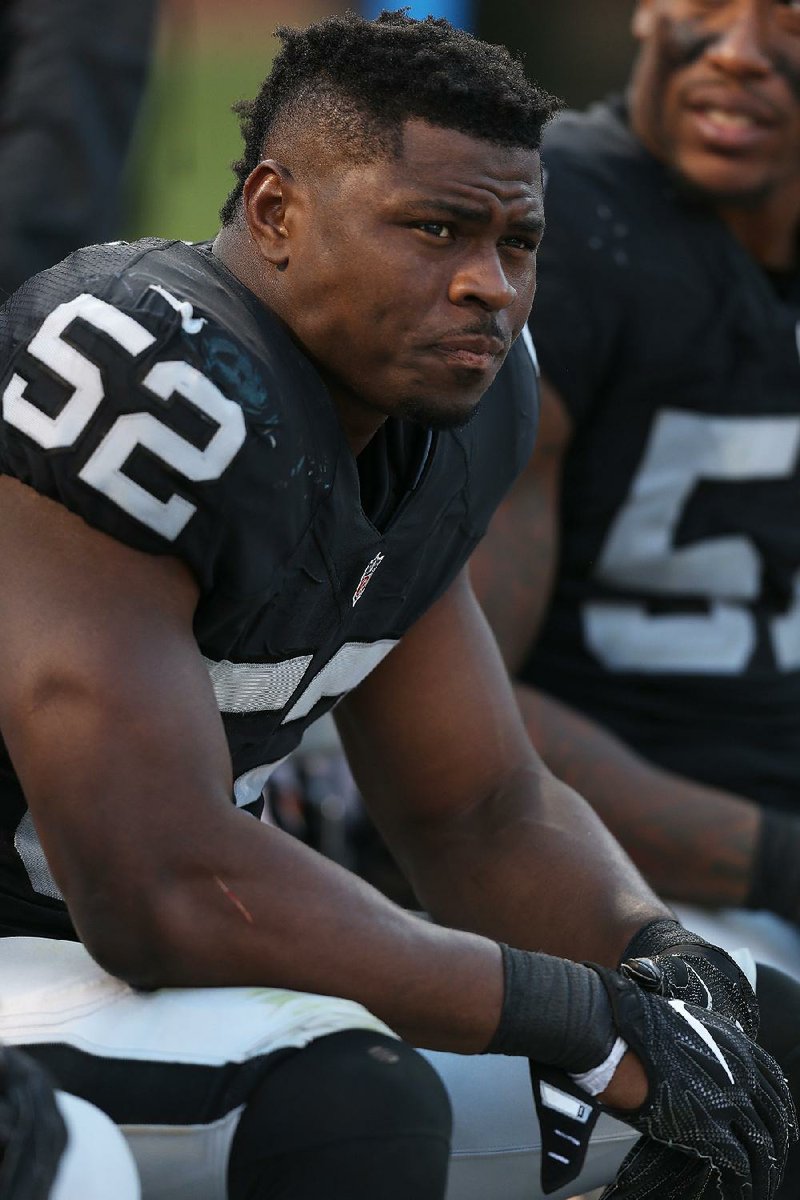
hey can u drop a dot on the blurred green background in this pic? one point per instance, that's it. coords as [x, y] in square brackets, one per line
[212, 52]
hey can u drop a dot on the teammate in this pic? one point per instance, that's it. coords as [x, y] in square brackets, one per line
[644, 573]
[71, 83]
[640, 577]
[241, 482]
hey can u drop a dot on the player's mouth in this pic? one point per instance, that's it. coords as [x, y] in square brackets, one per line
[473, 351]
[730, 122]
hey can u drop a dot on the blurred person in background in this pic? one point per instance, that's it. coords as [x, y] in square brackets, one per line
[643, 577]
[71, 79]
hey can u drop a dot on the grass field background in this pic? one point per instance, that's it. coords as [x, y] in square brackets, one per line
[211, 53]
[207, 56]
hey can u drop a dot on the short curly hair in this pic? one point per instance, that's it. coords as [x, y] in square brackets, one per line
[362, 80]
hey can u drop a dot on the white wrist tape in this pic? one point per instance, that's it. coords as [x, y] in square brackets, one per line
[597, 1080]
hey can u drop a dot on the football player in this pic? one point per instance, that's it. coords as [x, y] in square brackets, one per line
[72, 78]
[642, 578]
[241, 482]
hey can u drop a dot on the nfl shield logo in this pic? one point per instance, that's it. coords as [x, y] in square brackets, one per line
[369, 571]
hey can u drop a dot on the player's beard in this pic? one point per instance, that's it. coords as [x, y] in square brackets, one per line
[435, 412]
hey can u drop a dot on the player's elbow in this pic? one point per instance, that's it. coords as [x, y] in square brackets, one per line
[151, 927]
[124, 936]
[133, 924]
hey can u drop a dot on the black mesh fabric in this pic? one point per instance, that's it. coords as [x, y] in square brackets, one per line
[714, 1096]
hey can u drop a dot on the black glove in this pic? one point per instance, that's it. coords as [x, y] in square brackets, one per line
[667, 959]
[32, 1132]
[662, 1173]
[714, 1095]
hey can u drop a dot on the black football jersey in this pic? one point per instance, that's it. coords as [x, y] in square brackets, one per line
[676, 614]
[146, 389]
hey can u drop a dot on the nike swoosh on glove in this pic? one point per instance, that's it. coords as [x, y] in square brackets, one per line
[714, 1096]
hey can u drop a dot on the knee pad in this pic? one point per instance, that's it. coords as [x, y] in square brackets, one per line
[355, 1084]
[343, 1117]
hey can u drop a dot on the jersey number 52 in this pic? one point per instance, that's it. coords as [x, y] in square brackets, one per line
[103, 470]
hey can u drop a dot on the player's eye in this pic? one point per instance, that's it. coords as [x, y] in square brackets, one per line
[437, 229]
[520, 243]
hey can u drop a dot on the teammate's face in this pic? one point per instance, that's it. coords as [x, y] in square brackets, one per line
[716, 92]
[409, 278]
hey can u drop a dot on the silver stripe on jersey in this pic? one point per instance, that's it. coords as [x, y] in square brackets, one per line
[255, 687]
[29, 848]
[349, 665]
[267, 687]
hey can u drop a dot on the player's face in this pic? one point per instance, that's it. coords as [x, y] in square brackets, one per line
[409, 278]
[716, 92]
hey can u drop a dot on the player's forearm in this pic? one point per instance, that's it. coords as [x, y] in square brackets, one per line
[535, 867]
[691, 842]
[245, 905]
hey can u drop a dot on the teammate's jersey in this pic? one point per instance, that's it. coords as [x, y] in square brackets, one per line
[147, 390]
[676, 614]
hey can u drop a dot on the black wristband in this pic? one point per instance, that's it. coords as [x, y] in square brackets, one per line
[554, 1012]
[775, 883]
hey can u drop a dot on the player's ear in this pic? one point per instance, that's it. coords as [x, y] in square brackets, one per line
[644, 19]
[265, 196]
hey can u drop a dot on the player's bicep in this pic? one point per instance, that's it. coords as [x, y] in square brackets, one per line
[435, 729]
[105, 706]
[513, 567]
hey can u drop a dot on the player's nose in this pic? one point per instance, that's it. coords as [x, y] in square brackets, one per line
[742, 47]
[483, 280]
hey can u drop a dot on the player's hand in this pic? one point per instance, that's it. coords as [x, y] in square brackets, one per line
[720, 986]
[714, 1096]
[664, 1173]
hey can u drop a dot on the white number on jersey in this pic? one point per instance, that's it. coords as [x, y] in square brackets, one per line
[104, 468]
[683, 449]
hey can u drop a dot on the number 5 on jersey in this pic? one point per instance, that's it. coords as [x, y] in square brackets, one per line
[684, 449]
[103, 470]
